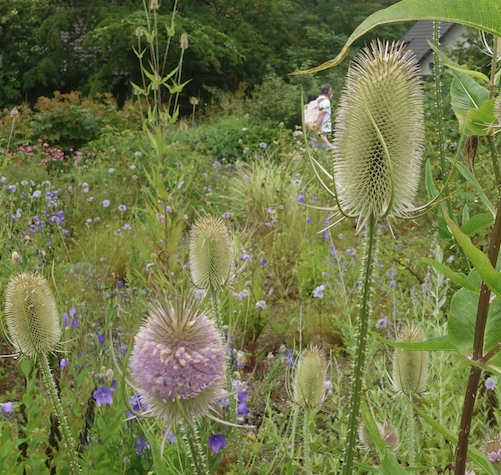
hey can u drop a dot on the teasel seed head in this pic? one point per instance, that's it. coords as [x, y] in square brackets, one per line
[31, 315]
[387, 432]
[210, 253]
[492, 449]
[309, 377]
[383, 86]
[410, 367]
[178, 359]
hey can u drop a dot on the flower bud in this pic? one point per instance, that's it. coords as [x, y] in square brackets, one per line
[184, 41]
[410, 367]
[382, 99]
[210, 253]
[309, 389]
[31, 314]
[16, 258]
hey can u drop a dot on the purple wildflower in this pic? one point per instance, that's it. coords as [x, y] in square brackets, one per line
[6, 408]
[245, 257]
[261, 304]
[217, 442]
[490, 384]
[141, 444]
[263, 145]
[122, 208]
[103, 395]
[350, 252]
[300, 198]
[318, 292]
[263, 261]
[101, 338]
[226, 215]
[308, 220]
[63, 363]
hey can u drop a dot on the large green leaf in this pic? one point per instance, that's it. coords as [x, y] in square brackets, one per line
[479, 122]
[462, 318]
[466, 94]
[482, 14]
[477, 223]
[439, 343]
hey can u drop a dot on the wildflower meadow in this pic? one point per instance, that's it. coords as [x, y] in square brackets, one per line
[205, 291]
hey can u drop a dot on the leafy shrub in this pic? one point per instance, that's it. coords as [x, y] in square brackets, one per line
[231, 138]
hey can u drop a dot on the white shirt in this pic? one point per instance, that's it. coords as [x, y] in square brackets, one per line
[324, 105]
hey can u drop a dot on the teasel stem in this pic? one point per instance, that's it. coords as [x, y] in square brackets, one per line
[216, 306]
[306, 440]
[440, 111]
[67, 438]
[363, 325]
[194, 447]
[295, 416]
[411, 429]
[495, 159]
[478, 348]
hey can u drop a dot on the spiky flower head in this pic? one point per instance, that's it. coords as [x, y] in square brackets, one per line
[410, 367]
[210, 253]
[387, 432]
[33, 324]
[309, 377]
[178, 361]
[379, 133]
[492, 449]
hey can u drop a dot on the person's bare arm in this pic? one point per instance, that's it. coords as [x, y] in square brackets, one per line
[320, 118]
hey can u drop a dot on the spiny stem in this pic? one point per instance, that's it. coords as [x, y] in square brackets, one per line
[67, 438]
[306, 441]
[411, 429]
[194, 447]
[363, 325]
[295, 415]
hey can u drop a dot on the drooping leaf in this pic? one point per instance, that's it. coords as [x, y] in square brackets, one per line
[482, 14]
[453, 65]
[456, 277]
[480, 261]
[440, 343]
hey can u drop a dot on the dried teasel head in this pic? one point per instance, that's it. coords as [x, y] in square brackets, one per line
[210, 253]
[33, 324]
[379, 133]
[410, 367]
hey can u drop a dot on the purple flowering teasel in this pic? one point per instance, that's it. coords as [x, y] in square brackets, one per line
[178, 362]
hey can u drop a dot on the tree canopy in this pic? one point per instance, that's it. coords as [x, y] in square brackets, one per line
[69, 45]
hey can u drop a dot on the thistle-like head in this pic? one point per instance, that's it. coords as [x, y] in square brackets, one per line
[379, 133]
[33, 324]
[492, 449]
[210, 253]
[410, 367]
[178, 361]
[309, 377]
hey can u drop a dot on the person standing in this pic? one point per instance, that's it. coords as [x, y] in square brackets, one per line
[324, 122]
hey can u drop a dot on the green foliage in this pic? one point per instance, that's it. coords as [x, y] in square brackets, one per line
[69, 128]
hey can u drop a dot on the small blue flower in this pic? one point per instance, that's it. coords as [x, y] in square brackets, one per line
[300, 198]
[261, 304]
[122, 208]
[226, 215]
[263, 145]
[100, 339]
[217, 442]
[6, 408]
[103, 395]
[63, 363]
[141, 444]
